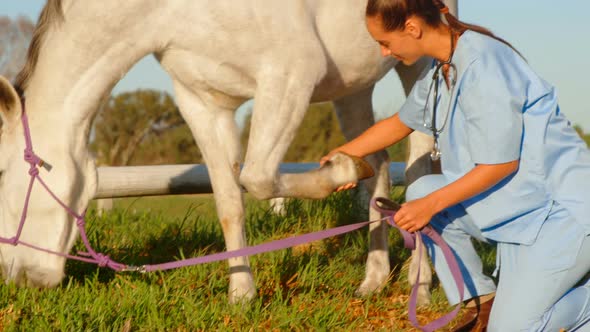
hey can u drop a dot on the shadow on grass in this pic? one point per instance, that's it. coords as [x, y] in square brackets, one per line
[148, 238]
[169, 241]
[195, 237]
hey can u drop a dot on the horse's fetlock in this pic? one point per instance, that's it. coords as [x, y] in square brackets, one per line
[261, 187]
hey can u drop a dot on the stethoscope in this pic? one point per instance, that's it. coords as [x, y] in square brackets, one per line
[436, 78]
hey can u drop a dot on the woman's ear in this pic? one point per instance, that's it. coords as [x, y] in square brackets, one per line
[10, 106]
[413, 28]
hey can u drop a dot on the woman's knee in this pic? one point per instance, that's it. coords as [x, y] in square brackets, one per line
[424, 186]
[512, 321]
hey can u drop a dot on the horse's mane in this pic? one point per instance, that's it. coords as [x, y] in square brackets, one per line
[52, 13]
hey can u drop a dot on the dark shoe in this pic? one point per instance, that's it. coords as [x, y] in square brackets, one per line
[475, 319]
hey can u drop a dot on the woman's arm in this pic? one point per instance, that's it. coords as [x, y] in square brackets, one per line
[381, 135]
[416, 214]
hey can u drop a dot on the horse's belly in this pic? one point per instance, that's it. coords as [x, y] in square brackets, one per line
[347, 78]
[228, 83]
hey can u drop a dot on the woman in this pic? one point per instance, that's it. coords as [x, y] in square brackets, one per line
[514, 171]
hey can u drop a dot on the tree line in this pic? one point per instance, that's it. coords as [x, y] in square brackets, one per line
[145, 127]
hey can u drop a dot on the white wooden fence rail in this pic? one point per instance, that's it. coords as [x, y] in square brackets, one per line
[132, 181]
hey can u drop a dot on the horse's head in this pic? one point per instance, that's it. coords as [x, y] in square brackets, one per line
[71, 177]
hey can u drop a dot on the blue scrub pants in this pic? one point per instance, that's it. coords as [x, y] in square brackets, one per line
[542, 287]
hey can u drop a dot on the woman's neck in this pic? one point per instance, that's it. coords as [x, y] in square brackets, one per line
[438, 43]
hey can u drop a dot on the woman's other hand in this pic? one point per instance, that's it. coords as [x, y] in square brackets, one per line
[414, 215]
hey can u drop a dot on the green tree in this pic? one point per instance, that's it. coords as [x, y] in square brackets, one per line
[141, 127]
[579, 130]
[585, 137]
[318, 133]
[173, 146]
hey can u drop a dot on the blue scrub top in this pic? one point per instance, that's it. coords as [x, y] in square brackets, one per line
[500, 111]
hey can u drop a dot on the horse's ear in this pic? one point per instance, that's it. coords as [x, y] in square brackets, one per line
[10, 106]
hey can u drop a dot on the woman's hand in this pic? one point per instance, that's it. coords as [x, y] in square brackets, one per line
[381, 135]
[414, 215]
[327, 157]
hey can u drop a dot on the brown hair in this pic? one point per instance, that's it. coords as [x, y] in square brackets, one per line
[52, 12]
[394, 14]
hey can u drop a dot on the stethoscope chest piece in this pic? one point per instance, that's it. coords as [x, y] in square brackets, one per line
[435, 154]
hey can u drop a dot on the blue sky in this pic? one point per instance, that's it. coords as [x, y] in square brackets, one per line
[554, 36]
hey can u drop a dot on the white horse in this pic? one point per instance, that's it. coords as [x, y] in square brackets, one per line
[285, 54]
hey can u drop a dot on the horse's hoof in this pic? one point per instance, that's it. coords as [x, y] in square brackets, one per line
[369, 287]
[362, 168]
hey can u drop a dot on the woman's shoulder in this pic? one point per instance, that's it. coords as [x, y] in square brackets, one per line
[494, 65]
[483, 53]
[487, 47]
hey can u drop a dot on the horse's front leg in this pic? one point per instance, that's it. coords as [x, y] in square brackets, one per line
[217, 135]
[282, 98]
[355, 113]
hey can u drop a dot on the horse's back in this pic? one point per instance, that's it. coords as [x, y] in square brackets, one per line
[223, 49]
[228, 46]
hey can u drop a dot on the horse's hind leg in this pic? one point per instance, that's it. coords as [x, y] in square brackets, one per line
[418, 164]
[355, 113]
[215, 131]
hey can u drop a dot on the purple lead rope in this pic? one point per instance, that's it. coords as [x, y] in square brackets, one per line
[102, 260]
[387, 207]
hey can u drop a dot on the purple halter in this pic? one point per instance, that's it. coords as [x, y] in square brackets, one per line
[383, 205]
[34, 161]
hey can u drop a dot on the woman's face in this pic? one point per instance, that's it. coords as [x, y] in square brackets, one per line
[400, 44]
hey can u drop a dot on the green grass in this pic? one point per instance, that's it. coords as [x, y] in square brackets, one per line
[309, 287]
